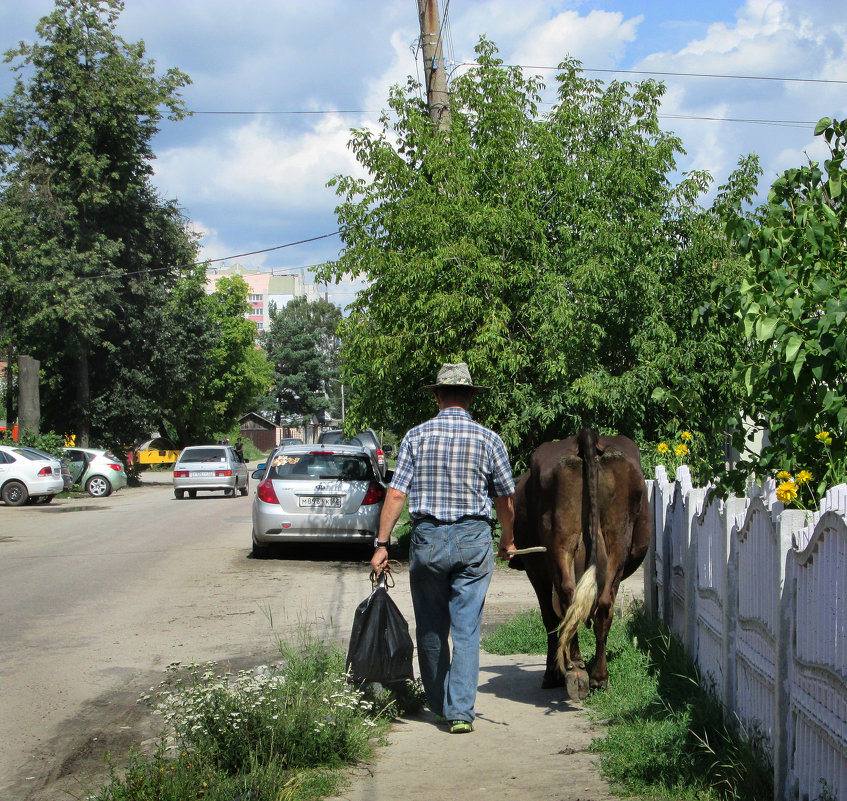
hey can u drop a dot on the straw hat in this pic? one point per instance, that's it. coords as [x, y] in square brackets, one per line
[453, 375]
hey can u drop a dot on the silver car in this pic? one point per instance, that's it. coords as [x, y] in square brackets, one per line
[317, 493]
[210, 468]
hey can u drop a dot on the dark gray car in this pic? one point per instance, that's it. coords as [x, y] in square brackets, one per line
[367, 439]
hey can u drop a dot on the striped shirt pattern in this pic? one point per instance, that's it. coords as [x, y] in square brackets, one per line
[450, 467]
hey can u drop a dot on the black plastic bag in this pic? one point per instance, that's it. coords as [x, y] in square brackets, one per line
[380, 649]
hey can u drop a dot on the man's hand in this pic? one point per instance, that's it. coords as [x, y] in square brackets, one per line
[379, 560]
[506, 550]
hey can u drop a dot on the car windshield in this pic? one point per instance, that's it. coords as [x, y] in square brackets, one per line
[307, 466]
[32, 454]
[203, 455]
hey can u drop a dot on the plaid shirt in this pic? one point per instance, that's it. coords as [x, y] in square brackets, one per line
[450, 467]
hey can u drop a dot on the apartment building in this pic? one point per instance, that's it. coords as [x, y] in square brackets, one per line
[265, 288]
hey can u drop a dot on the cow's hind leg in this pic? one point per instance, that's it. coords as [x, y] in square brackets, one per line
[539, 577]
[602, 623]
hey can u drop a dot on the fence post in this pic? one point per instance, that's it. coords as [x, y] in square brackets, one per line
[790, 521]
[693, 505]
[732, 520]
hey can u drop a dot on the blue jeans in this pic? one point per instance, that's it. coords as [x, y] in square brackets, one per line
[450, 566]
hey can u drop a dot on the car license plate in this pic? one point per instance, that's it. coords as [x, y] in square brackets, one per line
[320, 500]
[200, 473]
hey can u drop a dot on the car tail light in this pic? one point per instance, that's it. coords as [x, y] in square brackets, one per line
[266, 492]
[45, 471]
[380, 456]
[181, 473]
[220, 473]
[375, 494]
[320, 453]
[116, 467]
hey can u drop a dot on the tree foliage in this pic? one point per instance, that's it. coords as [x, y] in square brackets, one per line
[302, 346]
[97, 272]
[552, 253]
[789, 308]
[218, 372]
[86, 246]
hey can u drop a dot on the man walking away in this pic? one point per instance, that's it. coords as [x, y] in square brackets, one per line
[450, 468]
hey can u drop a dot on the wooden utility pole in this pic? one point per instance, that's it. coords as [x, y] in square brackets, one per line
[437, 99]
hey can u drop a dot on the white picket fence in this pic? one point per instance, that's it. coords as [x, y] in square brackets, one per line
[758, 595]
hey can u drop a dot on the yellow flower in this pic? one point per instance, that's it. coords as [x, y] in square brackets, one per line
[783, 475]
[786, 492]
[824, 437]
[681, 449]
[663, 447]
[804, 477]
[685, 436]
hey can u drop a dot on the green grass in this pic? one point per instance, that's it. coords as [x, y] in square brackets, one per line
[280, 732]
[666, 738]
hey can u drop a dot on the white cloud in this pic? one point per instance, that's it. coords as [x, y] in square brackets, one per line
[599, 37]
[258, 163]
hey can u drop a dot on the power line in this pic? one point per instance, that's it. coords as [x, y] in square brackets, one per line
[182, 266]
[674, 74]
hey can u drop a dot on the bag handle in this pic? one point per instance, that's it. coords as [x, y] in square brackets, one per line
[385, 578]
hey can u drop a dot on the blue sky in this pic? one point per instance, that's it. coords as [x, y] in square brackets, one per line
[258, 180]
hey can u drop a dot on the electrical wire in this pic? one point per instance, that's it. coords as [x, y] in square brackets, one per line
[184, 266]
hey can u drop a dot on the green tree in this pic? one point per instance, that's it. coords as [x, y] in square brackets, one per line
[789, 308]
[302, 346]
[553, 254]
[87, 248]
[222, 373]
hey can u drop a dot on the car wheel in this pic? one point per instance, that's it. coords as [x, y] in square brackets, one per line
[192, 493]
[179, 494]
[229, 493]
[98, 487]
[260, 551]
[46, 498]
[246, 488]
[15, 493]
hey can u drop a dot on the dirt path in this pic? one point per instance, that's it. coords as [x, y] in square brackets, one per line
[528, 743]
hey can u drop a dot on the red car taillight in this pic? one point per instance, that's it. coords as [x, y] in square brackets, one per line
[380, 457]
[116, 467]
[45, 471]
[266, 492]
[180, 473]
[375, 494]
[220, 473]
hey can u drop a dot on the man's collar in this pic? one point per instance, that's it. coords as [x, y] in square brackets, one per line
[454, 410]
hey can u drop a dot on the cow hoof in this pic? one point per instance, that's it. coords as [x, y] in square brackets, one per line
[601, 684]
[552, 680]
[577, 685]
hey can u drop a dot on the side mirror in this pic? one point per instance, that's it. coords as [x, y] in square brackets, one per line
[257, 474]
[389, 474]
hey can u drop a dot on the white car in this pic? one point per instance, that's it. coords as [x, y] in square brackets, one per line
[210, 468]
[98, 472]
[28, 474]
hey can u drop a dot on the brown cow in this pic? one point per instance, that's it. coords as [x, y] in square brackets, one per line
[576, 489]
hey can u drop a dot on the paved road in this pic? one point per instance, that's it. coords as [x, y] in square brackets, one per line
[97, 596]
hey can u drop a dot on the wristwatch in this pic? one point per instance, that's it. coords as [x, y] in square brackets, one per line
[378, 544]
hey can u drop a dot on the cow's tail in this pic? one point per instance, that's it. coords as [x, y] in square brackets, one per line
[587, 590]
